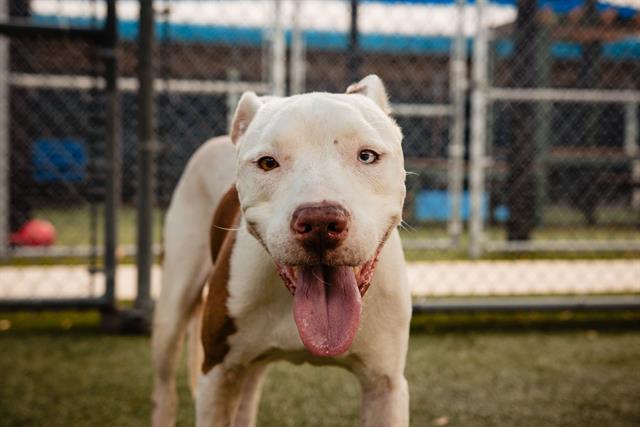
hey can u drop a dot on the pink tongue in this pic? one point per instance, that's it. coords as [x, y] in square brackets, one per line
[326, 308]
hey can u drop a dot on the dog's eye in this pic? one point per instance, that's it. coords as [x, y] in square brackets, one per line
[367, 157]
[267, 163]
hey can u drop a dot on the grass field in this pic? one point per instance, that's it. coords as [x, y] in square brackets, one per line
[58, 370]
[73, 228]
[73, 224]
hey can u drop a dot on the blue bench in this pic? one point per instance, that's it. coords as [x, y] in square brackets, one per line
[434, 205]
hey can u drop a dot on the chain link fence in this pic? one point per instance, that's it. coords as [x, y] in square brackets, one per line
[562, 129]
[520, 121]
[554, 147]
[56, 142]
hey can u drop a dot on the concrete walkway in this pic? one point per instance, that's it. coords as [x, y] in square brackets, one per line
[451, 278]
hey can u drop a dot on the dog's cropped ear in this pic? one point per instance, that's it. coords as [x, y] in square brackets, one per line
[372, 87]
[246, 110]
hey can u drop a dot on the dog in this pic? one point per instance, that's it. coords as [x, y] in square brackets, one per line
[303, 258]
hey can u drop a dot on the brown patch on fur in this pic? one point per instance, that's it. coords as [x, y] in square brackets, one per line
[224, 220]
[217, 325]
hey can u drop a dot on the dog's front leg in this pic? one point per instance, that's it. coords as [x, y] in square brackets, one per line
[250, 397]
[385, 401]
[218, 396]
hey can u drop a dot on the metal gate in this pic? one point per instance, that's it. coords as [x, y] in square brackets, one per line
[544, 129]
[60, 157]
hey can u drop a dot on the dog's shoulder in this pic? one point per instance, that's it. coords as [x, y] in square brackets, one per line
[224, 220]
[217, 323]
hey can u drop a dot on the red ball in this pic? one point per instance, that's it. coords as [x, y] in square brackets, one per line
[36, 232]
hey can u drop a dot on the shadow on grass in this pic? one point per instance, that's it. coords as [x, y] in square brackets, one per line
[89, 322]
[526, 321]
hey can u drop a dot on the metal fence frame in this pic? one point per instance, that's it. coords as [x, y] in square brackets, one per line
[4, 137]
[483, 96]
[105, 39]
[454, 110]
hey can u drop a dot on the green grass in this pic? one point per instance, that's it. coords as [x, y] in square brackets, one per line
[73, 228]
[73, 225]
[58, 370]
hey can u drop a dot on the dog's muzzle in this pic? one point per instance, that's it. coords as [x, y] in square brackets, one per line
[327, 298]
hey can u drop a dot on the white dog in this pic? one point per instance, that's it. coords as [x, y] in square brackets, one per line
[303, 258]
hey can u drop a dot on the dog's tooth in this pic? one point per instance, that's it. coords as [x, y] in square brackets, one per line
[291, 287]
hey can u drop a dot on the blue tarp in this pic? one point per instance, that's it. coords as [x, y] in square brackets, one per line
[558, 6]
[370, 42]
[325, 40]
[59, 160]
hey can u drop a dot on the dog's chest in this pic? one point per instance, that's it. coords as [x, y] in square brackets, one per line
[259, 303]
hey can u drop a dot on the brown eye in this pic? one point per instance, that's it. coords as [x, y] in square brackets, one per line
[367, 157]
[267, 163]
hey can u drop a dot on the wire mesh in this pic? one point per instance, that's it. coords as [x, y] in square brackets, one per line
[55, 134]
[559, 164]
[562, 166]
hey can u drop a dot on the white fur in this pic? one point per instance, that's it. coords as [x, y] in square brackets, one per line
[300, 132]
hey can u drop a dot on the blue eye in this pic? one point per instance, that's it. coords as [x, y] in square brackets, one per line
[368, 156]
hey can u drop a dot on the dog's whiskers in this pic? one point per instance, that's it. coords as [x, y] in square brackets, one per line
[406, 226]
[227, 229]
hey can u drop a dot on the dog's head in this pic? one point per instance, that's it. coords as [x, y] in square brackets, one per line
[321, 185]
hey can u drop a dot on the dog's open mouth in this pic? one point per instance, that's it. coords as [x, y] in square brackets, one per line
[327, 303]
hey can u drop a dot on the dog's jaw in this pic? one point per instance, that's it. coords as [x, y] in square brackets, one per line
[327, 302]
[363, 273]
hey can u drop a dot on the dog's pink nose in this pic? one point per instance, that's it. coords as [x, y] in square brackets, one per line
[320, 226]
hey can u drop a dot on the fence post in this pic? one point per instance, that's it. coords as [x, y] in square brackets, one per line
[4, 137]
[146, 159]
[478, 129]
[114, 151]
[525, 125]
[458, 86]
[298, 66]
[354, 45]
[278, 52]
[632, 149]
[233, 95]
